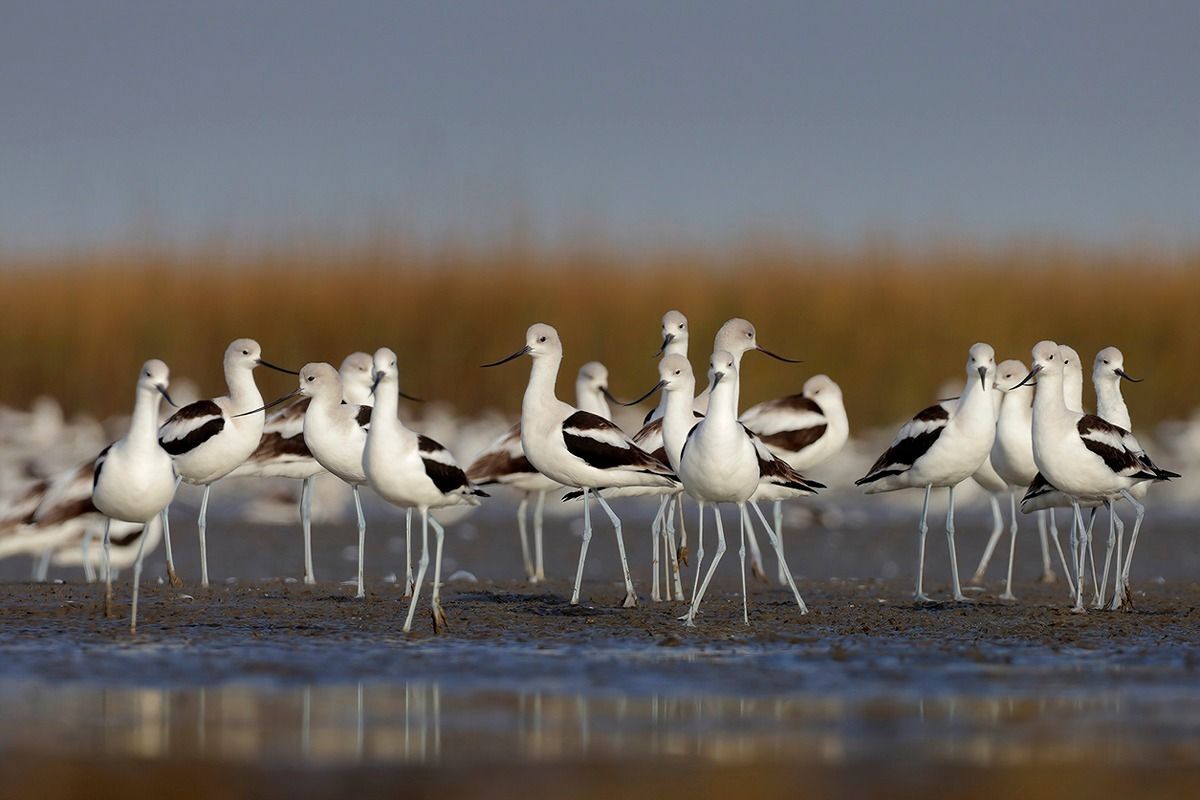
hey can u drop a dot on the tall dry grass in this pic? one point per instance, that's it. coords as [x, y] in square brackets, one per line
[889, 324]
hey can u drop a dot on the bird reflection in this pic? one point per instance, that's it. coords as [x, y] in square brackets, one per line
[416, 722]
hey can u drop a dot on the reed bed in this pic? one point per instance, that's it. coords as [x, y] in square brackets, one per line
[889, 323]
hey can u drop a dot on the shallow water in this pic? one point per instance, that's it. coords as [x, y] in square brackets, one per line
[257, 675]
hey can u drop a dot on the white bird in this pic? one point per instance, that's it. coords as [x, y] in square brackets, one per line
[283, 453]
[503, 462]
[1081, 455]
[737, 337]
[1012, 460]
[209, 438]
[134, 479]
[674, 343]
[1108, 370]
[577, 448]
[412, 471]
[942, 449]
[805, 430]
[1040, 495]
[722, 462]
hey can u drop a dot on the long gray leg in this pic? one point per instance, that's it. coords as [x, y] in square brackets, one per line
[997, 532]
[530, 573]
[362, 540]
[1012, 547]
[778, 544]
[1079, 530]
[682, 554]
[1108, 551]
[202, 525]
[85, 546]
[922, 528]
[137, 575]
[583, 548]
[42, 566]
[1048, 575]
[107, 570]
[166, 526]
[712, 568]
[655, 535]
[421, 565]
[630, 594]
[1092, 555]
[741, 509]
[1058, 547]
[306, 489]
[408, 573]
[439, 616]
[699, 555]
[958, 594]
[1137, 526]
[756, 565]
[1118, 564]
[538, 514]
[778, 516]
[672, 554]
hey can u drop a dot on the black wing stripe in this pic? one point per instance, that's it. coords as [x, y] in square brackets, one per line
[902, 454]
[794, 441]
[195, 438]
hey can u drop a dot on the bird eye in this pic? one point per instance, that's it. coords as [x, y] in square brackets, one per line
[541, 339]
[147, 373]
[681, 326]
[678, 371]
[311, 378]
[1106, 361]
[1051, 358]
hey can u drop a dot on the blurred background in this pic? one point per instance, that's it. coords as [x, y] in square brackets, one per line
[875, 185]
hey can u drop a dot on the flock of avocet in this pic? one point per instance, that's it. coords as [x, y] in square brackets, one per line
[1012, 429]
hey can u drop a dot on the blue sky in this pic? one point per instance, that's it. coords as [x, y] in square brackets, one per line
[649, 121]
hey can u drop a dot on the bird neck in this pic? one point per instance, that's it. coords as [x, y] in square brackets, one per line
[1015, 406]
[677, 347]
[677, 420]
[1073, 392]
[143, 426]
[542, 376]
[243, 391]
[1048, 402]
[590, 400]
[1110, 405]
[722, 400]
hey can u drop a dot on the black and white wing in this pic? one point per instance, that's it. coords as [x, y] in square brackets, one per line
[1120, 450]
[191, 426]
[776, 471]
[68, 496]
[503, 458]
[650, 440]
[788, 424]
[1038, 487]
[602, 445]
[913, 441]
[443, 470]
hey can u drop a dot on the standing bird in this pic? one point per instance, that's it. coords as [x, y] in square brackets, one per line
[283, 453]
[134, 479]
[942, 449]
[1108, 370]
[412, 471]
[721, 462]
[208, 439]
[577, 448]
[1082, 455]
[805, 430]
[503, 462]
[1012, 460]
[674, 343]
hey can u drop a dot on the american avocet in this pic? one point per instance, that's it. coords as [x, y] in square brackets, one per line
[503, 462]
[1108, 370]
[674, 343]
[64, 515]
[937, 448]
[412, 471]
[738, 336]
[1082, 455]
[720, 461]
[579, 449]
[1012, 459]
[1040, 495]
[209, 438]
[805, 430]
[283, 453]
[134, 479]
